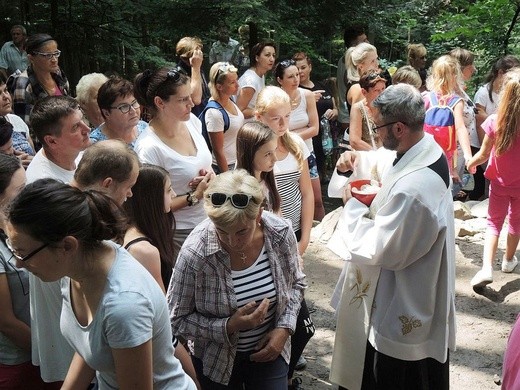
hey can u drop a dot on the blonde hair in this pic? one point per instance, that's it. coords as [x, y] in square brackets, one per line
[238, 181]
[415, 52]
[357, 55]
[407, 75]
[224, 68]
[187, 45]
[508, 114]
[271, 97]
[445, 77]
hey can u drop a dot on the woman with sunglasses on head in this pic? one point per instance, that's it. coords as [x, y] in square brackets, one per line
[121, 112]
[362, 137]
[174, 141]
[16, 369]
[223, 84]
[303, 121]
[42, 78]
[262, 57]
[59, 232]
[236, 289]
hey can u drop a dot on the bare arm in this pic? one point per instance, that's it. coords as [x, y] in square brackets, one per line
[134, 368]
[186, 363]
[480, 117]
[17, 331]
[79, 376]
[307, 208]
[462, 131]
[181, 201]
[149, 256]
[356, 129]
[482, 155]
[196, 77]
[313, 127]
[245, 96]
[217, 143]
[354, 94]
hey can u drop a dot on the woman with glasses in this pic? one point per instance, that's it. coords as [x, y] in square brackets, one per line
[236, 289]
[174, 141]
[262, 57]
[303, 121]
[121, 112]
[16, 369]
[59, 232]
[42, 78]
[223, 84]
[417, 59]
[362, 137]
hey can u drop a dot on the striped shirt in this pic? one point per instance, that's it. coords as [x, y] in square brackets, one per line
[254, 284]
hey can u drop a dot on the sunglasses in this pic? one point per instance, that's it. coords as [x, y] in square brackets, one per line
[239, 201]
[174, 74]
[225, 67]
[286, 63]
[49, 56]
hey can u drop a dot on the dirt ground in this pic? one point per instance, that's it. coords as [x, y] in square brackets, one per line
[484, 319]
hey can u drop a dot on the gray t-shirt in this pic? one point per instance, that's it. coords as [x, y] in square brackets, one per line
[132, 311]
[18, 282]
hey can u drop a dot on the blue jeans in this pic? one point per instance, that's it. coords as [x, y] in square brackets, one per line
[248, 375]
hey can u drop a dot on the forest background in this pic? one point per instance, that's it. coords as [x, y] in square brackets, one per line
[125, 37]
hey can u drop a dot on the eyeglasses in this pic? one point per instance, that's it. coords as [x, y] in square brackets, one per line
[49, 56]
[125, 107]
[174, 74]
[375, 128]
[225, 67]
[26, 257]
[286, 63]
[373, 76]
[239, 201]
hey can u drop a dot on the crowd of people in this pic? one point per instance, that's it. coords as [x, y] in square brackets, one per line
[152, 231]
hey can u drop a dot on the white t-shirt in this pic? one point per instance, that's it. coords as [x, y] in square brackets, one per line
[182, 169]
[251, 80]
[287, 175]
[132, 311]
[215, 124]
[482, 98]
[300, 118]
[50, 350]
[41, 168]
[18, 125]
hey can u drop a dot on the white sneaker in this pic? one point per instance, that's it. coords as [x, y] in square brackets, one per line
[482, 277]
[509, 266]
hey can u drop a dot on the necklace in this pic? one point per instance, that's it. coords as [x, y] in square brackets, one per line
[243, 257]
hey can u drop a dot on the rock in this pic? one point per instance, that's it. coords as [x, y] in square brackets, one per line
[480, 210]
[461, 211]
[471, 227]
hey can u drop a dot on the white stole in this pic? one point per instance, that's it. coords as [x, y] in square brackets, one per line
[360, 284]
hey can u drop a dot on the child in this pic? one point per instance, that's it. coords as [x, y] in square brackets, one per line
[256, 153]
[502, 147]
[291, 172]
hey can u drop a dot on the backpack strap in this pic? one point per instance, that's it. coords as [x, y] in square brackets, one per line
[453, 101]
[433, 99]
[218, 106]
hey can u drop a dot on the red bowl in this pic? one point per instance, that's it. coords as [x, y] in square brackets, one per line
[363, 198]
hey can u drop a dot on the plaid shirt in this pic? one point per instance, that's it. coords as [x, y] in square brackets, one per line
[26, 90]
[202, 298]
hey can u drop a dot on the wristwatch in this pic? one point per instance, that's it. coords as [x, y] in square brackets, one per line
[192, 199]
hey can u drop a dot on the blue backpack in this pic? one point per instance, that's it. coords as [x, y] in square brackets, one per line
[439, 121]
[215, 105]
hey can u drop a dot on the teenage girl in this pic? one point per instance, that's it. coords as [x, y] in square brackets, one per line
[501, 146]
[291, 172]
[256, 153]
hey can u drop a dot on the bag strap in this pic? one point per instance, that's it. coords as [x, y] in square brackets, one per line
[218, 106]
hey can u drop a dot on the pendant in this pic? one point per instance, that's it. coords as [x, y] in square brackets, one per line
[243, 257]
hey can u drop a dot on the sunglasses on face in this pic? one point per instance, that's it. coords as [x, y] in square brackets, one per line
[239, 201]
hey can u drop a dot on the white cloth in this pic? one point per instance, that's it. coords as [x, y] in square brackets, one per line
[19, 125]
[251, 80]
[182, 169]
[287, 175]
[300, 118]
[482, 98]
[215, 124]
[50, 350]
[405, 256]
[131, 311]
[42, 168]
